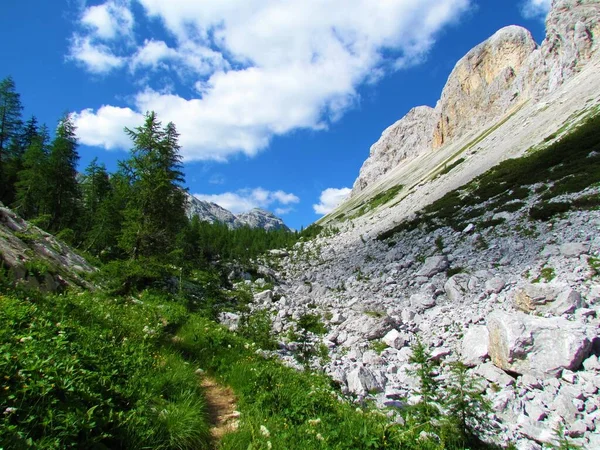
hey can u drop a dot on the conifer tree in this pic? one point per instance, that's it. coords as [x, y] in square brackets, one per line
[466, 403]
[156, 211]
[32, 198]
[63, 189]
[424, 370]
[10, 127]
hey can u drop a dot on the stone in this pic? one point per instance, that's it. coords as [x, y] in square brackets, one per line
[457, 287]
[394, 339]
[337, 319]
[531, 296]
[494, 285]
[592, 364]
[264, 296]
[422, 301]
[474, 348]
[230, 320]
[566, 303]
[574, 249]
[361, 382]
[432, 266]
[494, 375]
[539, 346]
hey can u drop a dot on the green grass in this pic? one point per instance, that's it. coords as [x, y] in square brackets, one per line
[380, 199]
[85, 370]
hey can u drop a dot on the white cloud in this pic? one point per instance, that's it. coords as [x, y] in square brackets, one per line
[109, 20]
[263, 68]
[246, 199]
[283, 211]
[104, 128]
[536, 8]
[97, 58]
[330, 198]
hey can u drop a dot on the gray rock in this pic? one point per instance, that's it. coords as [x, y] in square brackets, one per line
[422, 301]
[432, 266]
[494, 285]
[566, 303]
[457, 287]
[494, 375]
[574, 249]
[230, 320]
[539, 346]
[395, 339]
[474, 348]
[361, 382]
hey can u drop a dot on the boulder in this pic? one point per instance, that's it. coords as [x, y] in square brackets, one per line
[421, 301]
[494, 375]
[457, 287]
[574, 249]
[394, 339]
[474, 348]
[432, 266]
[566, 303]
[539, 346]
[361, 382]
[533, 295]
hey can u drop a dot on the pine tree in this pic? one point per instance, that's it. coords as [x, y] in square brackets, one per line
[424, 370]
[32, 198]
[10, 127]
[466, 403]
[156, 211]
[63, 189]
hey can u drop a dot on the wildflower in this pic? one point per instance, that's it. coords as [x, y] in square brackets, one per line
[264, 431]
[314, 422]
[9, 410]
[269, 446]
[320, 437]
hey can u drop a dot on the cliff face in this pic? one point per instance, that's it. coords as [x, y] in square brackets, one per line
[494, 78]
[482, 87]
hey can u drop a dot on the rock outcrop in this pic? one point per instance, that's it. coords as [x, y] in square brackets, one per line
[37, 259]
[213, 213]
[489, 83]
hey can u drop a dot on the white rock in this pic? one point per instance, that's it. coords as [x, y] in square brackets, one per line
[432, 266]
[539, 346]
[361, 382]
[394, 339]
[474, 348]
[574, 249]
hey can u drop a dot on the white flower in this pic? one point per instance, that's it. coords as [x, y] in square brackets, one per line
[314, 422]
[264, 431]
[320, 437]
[9, 410]
[269, 446]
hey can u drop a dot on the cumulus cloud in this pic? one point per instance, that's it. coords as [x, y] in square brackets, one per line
[536, 8]
[109, 20]
[104, 128]
[101, 26]
[330, 198]
[244, 200]
[256, 69]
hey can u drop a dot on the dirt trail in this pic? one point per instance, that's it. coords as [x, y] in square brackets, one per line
[220, 404]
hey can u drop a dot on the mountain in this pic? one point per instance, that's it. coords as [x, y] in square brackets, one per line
[213, 213]
[473, 229]
[507, 77]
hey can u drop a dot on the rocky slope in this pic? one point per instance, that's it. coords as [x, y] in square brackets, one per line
[489, 84]
[37, 259]
[213, 213]
[489, 274]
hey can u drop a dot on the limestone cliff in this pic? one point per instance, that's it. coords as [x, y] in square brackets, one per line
[492, 80]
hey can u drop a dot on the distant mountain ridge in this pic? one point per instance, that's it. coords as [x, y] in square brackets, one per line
[213, 213]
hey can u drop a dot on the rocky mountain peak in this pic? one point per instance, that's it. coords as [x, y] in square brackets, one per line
[481, 86]
[213, 213]
[489, 84]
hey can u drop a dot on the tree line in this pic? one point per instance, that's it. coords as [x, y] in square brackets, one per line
[137, 213]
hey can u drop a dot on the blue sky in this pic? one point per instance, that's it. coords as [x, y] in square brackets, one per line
[277, 102]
